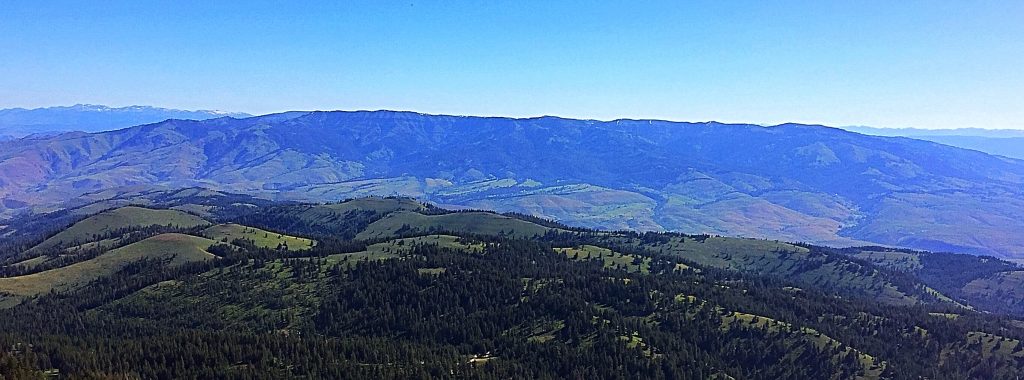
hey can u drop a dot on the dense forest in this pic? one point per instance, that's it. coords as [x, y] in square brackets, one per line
[438, 294]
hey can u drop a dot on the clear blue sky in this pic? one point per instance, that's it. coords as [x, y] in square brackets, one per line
[927, 64]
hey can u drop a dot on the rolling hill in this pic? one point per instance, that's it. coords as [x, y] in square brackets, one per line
[985, 282]
[772, 258]
[260, 238]
[483, 223]
[496, 295]
[177, 248]
[120, 218]
[790, 182]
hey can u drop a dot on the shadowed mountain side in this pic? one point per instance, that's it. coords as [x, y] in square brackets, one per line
[792, 182]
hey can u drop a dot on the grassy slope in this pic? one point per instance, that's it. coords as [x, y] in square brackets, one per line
[241, 295]
[381, 205]
[244, 289]
[608, 257]
[179, 248]
[997, 347]
[732, 320]
[747, 255]
[31, 263]
[394, 248]
[871, 370]
[895, 260]
[260, 238]
[123, 217]
[330, 212]
[102, 244]
[981, 281]
[465, 222]
[784, 260]
[226, 310]
[205, 211]
[1007, 286]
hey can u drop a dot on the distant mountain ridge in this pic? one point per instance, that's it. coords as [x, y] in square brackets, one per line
[1012, 147]
[17, 122]
[918, 132]
[793, 182]
[1003, 142]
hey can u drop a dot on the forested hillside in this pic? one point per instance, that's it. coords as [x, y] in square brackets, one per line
[392, 288]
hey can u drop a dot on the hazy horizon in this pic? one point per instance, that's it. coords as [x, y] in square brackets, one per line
[228, 112]
[881, 64]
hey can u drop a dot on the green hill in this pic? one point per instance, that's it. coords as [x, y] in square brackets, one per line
[609, 258]
[380, 205]
[395, 248]
[893, 259]
[983, 282]
[124, 217]
[731, 320]
[997, 348]
[483, 223]
[492, 299]
[261, 238]
[332, 213]
[339, 220]
[783, 260]
[1004, 288]
[178, 248]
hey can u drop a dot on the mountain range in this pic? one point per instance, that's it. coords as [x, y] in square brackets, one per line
[791, 181]
[18, 122]
[1003, 142]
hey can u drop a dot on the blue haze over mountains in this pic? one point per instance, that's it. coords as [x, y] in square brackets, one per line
[18, 122]
[792, 182]
[1003, 142]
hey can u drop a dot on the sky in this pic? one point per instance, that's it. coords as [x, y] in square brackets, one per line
[897, 64]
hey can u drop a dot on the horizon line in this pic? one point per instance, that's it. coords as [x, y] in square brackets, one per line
[227, 113]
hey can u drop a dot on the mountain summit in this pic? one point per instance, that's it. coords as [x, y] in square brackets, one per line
[791, 181]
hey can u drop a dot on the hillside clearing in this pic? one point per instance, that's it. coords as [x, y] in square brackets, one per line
[395, 248]
[610, 259]
[461, 222]
[261, 238]
[177, 248]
